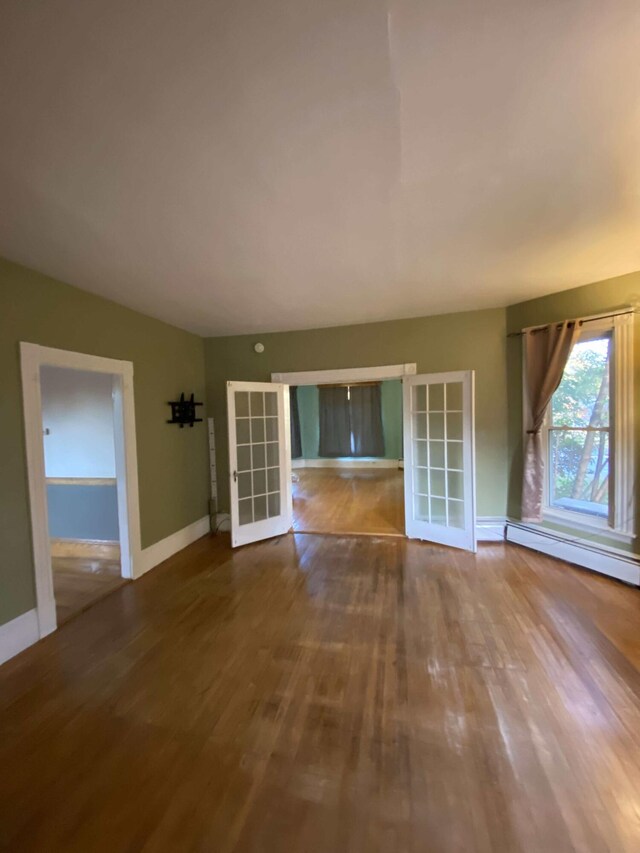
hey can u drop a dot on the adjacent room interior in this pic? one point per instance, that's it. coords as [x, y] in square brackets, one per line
[82, 495]
[319, 426]
[346, 450]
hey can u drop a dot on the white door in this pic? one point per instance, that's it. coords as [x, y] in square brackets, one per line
[439, 458]
[259, 460]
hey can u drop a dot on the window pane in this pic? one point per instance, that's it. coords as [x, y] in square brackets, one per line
[245, 511]
[421, 481]
[244, 458]
[271, 403]
[419, 398]
[436, 450]
[438, 511]
[437, 483]
[273, 503]
[456, 513]
[258, 456]
[273, 479]
[242, 431]
[260, 508]
[436, 398]
[420, 425]
[421, 508]
[579, 471]
[242, 404]
[454, 396]
[271, 429]
[257, 429]
[273, 455]
[244, 485]
[259, 482]
[582, 398]
[436, 425]
[257, 403]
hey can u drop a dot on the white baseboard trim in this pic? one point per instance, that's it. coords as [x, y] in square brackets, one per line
[165, 548]
[490, 528]
[345, 463]
[19, 634]
[580, 552]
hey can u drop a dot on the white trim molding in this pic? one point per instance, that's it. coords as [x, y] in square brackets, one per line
[346, 374]
[160, 551]
[345, 463]
[588, 555]
[490, 528]
[32, 358]
[19, 634]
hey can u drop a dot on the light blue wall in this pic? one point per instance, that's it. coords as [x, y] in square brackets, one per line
[83, 512]
[308, 405]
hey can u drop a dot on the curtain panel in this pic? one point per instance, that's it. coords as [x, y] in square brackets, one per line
[366, 420]
[296, 438]
[546, 351]
[335, 421]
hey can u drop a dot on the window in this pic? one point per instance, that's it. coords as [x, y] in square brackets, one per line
[588, 432]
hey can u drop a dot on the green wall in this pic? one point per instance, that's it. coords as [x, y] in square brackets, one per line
[172, 463]
[468, 340]
[598, 298]
[391, 404]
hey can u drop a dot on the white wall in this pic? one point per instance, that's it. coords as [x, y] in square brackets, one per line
[77, 408]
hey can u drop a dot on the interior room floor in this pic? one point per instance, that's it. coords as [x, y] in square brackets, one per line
[78, 582]
[329, 694]
[348, 500]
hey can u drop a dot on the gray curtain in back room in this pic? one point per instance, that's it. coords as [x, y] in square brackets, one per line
[366, 420]
[296, 439]
[335, 423]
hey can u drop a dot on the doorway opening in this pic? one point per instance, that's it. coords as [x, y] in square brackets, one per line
[347, 458]
[83, 478]
[78, 429]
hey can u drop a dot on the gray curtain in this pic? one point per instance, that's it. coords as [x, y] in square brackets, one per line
[335, 423]
[366, 420]
[546, 351]
[296, 438]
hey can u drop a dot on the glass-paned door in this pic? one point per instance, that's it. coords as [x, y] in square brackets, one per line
[259, 460]
[439, 470]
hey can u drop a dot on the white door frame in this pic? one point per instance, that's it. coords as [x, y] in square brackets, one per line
[346, 374]
[32, 358]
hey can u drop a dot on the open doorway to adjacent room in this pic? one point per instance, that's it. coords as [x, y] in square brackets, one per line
[81, 484]
[80, 434]
[347, 457]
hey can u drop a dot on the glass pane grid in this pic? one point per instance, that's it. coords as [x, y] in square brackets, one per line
[257, 455]
[437, 433]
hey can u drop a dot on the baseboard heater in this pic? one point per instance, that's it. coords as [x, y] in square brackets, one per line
[580, 552]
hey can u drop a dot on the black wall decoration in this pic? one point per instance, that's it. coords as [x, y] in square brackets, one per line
[184, 412]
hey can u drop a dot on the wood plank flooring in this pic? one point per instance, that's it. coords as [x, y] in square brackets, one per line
[350, 500]
[326, 694]
[78, 582]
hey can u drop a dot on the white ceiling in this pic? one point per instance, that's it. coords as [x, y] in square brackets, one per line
[253, 165]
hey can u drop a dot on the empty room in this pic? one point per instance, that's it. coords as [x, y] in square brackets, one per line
[319, 434]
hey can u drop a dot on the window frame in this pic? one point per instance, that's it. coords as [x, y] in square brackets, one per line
[620, 525]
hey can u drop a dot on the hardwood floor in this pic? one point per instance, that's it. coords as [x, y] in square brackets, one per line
[352, 500]
[78, 582]
[325, 694]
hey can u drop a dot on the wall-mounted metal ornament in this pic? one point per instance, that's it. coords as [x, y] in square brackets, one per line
[184, 412]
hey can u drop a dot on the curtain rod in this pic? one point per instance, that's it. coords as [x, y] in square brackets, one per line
[579, 321]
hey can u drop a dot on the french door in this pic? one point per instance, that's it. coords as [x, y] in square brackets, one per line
[439, 454]
[259, 460]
